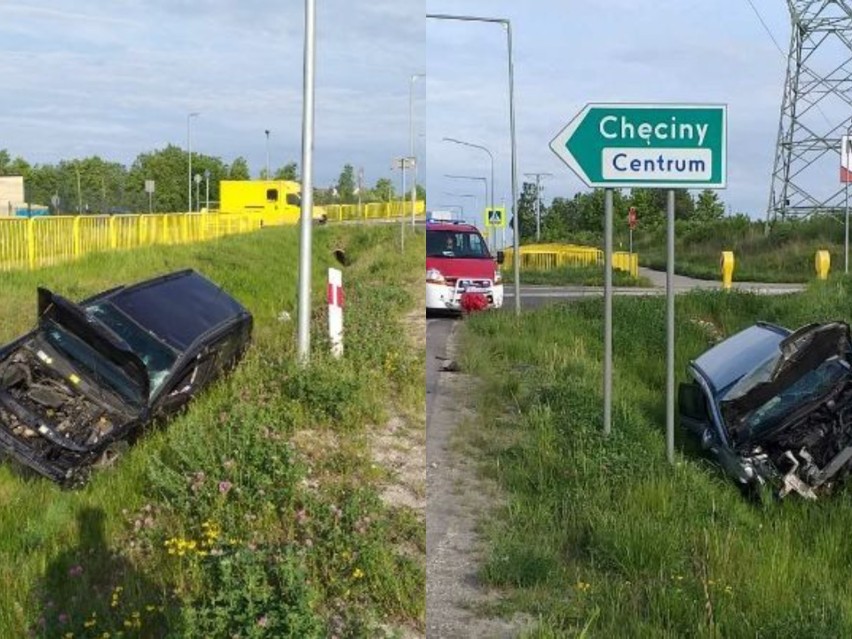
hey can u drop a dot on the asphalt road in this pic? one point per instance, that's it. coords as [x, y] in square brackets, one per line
[535, 295]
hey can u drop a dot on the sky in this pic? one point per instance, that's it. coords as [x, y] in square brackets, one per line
[567, 54]
[115, 79]
[87, 77]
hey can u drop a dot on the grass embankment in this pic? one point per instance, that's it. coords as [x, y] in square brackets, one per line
[603, 534]
[579, 276]
[239, 518]
[785, 255]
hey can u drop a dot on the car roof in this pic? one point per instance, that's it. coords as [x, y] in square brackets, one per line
[732, 358]
[463, 227]
[179, 307]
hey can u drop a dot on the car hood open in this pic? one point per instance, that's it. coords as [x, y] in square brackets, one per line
[55, 308]
[800, 352]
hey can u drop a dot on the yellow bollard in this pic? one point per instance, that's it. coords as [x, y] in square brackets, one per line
[822, 262]
[726, 263]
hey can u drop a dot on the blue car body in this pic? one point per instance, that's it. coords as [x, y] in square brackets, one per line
[775, 406]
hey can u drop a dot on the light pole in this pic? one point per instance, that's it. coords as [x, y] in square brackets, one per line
[516, 238]
[207, 188]
[268, 176]
[79, 190]
[472, 177]
[846, 150]
[463, 195]
[538, 177]
[197, 187]
[491, 156]
[189, 117]
[306, 221]
[414, 77]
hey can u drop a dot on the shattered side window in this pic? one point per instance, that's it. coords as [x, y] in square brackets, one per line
[760, 375]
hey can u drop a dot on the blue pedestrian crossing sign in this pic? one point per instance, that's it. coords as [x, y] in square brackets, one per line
[496, 217]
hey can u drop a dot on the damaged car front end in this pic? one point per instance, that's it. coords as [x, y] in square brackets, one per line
[774, 407]
[83, 385]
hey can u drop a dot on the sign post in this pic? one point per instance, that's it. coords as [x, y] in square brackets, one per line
[846, 177]
[335, 311]
[149, 189]
[667, 146]
[631, 223]
[495, 218]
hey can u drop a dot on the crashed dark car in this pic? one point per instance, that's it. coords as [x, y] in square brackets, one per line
[774, 407]
[79, 388]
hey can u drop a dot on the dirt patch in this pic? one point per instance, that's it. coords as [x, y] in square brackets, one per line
[459, 499]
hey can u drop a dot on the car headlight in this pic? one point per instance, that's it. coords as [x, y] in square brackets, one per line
[433, 276]
[498, 276]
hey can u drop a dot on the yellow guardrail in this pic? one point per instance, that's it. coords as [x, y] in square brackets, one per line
[373, 210]
[29, 243]
[544, 257]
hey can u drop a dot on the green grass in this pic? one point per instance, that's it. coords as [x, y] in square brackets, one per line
[234, 518]
[785, 255]
[580, 276]
[602, 534]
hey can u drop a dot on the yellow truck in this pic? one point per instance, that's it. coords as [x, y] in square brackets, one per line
[273, 201]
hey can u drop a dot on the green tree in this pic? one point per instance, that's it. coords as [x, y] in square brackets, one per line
[384, 190]
[346, 185]
[239, 170]
[708, 206]
[526, 210]
[289, 171]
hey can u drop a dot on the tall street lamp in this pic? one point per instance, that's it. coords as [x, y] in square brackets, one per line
[268, 176]
[538, 177]
[491, 156]
[414, 77]
[189, 117]
[516, 238]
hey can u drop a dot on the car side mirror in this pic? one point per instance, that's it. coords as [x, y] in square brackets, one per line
[501, 257]
[707, 438]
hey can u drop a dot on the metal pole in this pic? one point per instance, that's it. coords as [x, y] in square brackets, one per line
[537, 208]
[607, 364]
[846, 194]
[268, 174]
[79, 191]
[360, 187]
[197, 189]
[670, 329]
[411, 140]
[207, 186]
[150, 203]
[189, 153]
[516, 240]
[304, 331]
[401, 208]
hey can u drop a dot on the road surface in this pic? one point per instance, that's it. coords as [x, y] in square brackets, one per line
[534, 295]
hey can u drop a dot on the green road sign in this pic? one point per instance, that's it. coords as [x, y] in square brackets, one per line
[496, 217]
[646, 145]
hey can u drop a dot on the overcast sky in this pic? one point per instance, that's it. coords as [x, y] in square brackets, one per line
[571, 53]
[87, 77]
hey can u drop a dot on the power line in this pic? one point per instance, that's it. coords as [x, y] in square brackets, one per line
[766, 28]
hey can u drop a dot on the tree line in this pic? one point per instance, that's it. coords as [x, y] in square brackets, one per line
[97, 186]
[584, 213]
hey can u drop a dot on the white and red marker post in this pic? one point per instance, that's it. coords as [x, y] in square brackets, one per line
[335, 311]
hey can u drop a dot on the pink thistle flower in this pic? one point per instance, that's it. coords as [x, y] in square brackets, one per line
[225, 486]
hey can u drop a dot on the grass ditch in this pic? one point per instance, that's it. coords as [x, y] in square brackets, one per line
[589, 275]
[601, 536]
[232, 520]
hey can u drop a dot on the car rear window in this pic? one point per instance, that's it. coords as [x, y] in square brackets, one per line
[178, 310]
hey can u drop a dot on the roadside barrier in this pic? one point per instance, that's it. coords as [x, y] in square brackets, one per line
[727, 262]
[545, 257]
[822, 263]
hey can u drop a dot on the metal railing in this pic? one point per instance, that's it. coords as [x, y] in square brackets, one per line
[29, 243]
[545, 257]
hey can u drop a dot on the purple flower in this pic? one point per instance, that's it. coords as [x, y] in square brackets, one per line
[225, 486]
[63, 618]
[75, 571]
[263, 622]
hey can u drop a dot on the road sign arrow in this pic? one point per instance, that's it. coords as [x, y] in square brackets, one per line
[646, 145]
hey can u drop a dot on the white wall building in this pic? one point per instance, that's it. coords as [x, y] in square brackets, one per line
[11, 194]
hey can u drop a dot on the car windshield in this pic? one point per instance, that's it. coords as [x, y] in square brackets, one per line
[808, 388]
[157, 357]
[98, 366]
[464, 244]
